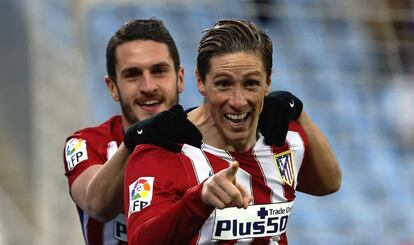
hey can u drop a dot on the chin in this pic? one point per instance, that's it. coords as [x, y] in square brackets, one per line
[237, 138]
[144, 114]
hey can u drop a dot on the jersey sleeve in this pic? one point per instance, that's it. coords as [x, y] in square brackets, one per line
[79, 154]
[162, 205]
[295, 126]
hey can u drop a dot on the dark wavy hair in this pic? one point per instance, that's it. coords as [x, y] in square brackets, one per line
[141, 29]
[230, 36]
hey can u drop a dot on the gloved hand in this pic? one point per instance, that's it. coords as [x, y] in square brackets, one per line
[280, 107]
[166, 129]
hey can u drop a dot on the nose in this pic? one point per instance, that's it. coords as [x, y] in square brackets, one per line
[148, 85]
[238, 99]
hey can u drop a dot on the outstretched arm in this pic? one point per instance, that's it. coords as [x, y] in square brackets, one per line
[162, 203]
[320, 174]
[163, 215]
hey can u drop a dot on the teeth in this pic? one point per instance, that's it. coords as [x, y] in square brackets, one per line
[236, 116]
[150, 102]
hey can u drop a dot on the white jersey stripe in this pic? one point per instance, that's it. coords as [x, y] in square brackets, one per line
[297, 146]
[244, 241]
[85, 224]
[109, 234]
[269, 171]
[111, 149]
[202, 167]
[202, 170]
[261, 153]
[243, 177]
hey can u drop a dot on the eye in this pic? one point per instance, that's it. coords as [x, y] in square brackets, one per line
[131, 73]
[222, 83]
[160, 69]
[251, 83]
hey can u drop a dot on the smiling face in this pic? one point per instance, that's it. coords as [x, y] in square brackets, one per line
[234, 89]
[146, 81]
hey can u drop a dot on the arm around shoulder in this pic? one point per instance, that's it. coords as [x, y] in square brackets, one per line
[321, 174]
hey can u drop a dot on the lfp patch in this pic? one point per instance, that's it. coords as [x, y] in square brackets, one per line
[75, 152]
[140, 194]
[284, 165]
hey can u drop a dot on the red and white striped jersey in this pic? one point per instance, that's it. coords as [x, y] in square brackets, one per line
[85, 148]
[163, 190]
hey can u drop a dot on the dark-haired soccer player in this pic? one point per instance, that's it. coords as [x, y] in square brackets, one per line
[145, 77]
[236, 188]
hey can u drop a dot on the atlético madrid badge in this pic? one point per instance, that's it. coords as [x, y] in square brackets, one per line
[284, 165]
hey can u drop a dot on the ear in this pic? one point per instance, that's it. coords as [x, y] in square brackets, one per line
[113, 90]
[200, 84]
[180, 80]
[267, 85]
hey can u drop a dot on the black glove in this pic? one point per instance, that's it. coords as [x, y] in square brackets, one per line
[280, 107]
[166, 129]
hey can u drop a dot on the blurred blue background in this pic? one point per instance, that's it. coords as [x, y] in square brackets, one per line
[350, 62]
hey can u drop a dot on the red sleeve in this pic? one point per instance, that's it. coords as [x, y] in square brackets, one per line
[166, 208]
[295, 126]
[79, 154]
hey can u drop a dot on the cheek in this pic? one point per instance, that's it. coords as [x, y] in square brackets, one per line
[257, 101]
[215, 100]
[169, 91]
[259, 108]
[126, 93]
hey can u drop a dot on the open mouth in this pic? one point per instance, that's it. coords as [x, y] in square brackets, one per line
[237, 119]
[150, 103]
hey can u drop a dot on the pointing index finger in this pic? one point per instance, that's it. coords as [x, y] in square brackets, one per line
[232, 171]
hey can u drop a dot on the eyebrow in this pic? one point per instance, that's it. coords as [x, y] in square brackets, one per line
[161, 64]
[137, 69]
[251, 73]
[254, 73]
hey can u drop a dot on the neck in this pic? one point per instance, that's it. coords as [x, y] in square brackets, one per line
[241, 146]
[202, 119]
[125, 123]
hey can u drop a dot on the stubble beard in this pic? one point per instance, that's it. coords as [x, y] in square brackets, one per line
[128, 112]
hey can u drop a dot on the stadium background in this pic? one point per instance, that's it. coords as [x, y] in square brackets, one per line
[351, 62]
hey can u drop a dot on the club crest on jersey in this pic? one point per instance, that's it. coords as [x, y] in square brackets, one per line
[284, 165]
[75, 152]
[140, 194]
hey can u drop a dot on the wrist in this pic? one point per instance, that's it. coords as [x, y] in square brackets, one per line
[194, 201]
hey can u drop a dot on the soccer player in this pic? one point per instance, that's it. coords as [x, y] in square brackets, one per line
[236, 187]
[145, 77]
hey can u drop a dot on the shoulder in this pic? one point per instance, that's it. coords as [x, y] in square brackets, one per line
[147, 157]
[296, 132]
[153, 151]
[295, 138]
[109, 130]
[166, 168]
[91, 145]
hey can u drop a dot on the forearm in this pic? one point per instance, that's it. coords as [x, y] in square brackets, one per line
[321, 174]
[104, 194]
